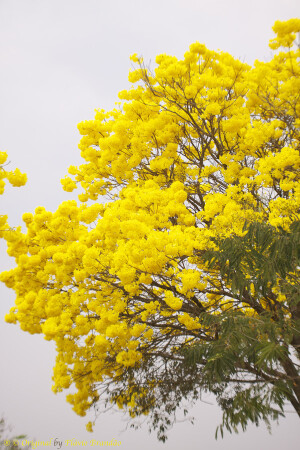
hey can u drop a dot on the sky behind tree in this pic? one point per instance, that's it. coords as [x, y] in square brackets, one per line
[61, 60]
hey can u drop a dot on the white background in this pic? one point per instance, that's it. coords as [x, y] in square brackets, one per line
[60, 60]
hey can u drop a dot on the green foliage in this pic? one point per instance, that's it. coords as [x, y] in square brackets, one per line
[9, 442]
[262, 256]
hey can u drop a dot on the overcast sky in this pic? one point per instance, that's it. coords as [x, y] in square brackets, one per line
[60, 60]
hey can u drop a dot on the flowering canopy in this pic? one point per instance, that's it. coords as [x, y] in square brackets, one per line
[193, 152]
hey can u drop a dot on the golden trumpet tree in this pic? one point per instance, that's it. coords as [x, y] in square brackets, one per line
[142, 294]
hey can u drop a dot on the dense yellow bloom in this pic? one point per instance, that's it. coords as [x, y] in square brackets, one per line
[285, 33]
[15, 178]
[194, 150]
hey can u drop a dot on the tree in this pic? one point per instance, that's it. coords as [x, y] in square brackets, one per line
[12, 442]
[165, 291]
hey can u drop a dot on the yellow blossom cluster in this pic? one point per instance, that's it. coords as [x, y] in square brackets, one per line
[194, 150]
[15, 178]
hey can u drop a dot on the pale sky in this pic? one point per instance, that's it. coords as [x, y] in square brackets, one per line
[60, 60]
